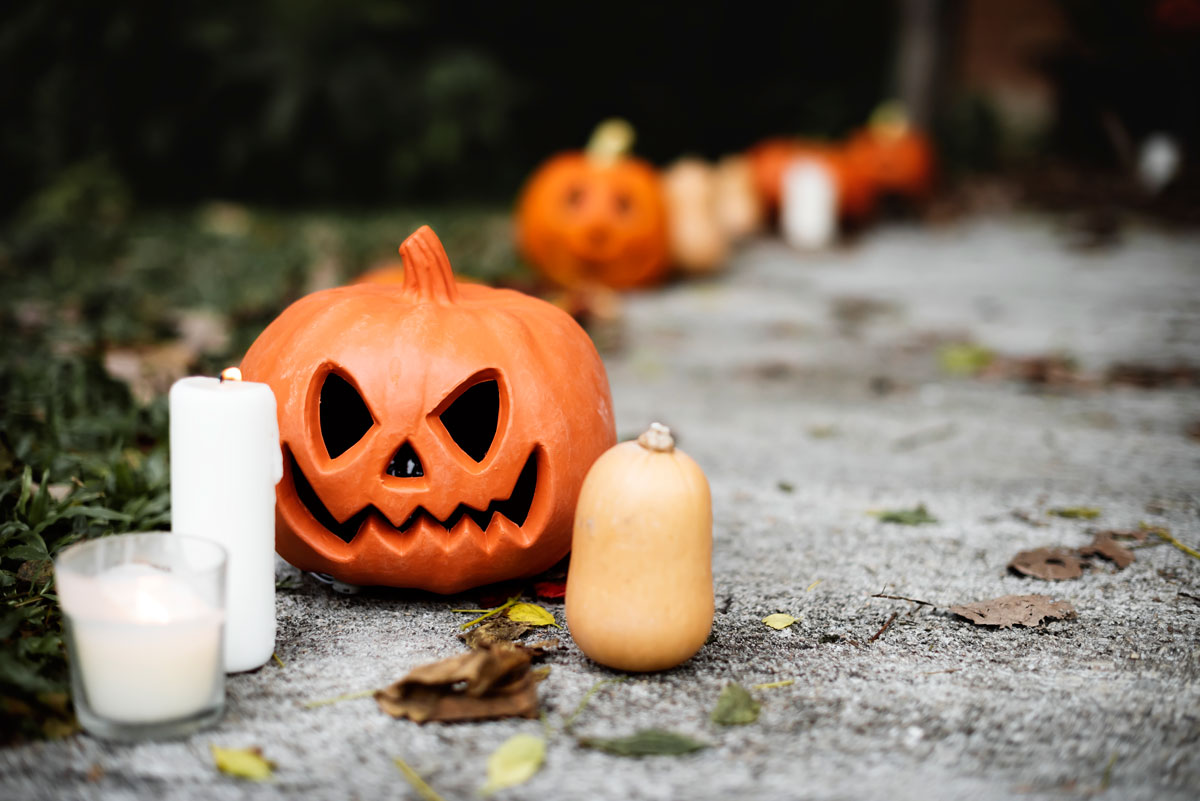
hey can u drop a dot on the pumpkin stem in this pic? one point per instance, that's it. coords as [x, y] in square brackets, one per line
[889, 120]
[611, 140]
[427, 271]
[657, 438]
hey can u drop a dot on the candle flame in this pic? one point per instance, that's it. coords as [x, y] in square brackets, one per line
[147, 608]
[231, 374]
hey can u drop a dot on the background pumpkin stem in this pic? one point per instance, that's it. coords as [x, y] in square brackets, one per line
[427, 271]
[611, 140]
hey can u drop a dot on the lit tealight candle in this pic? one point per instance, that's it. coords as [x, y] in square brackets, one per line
[225, 463]
[143, 617]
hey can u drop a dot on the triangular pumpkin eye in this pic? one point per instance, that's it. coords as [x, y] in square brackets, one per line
[471, 420]
[344, 415]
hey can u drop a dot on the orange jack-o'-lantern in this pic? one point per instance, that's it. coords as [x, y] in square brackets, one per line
[435, 434]
[896, 157]
[771, 158]
[597, 216]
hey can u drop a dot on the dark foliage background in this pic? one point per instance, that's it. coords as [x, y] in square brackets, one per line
[366, 101]
[363, 100]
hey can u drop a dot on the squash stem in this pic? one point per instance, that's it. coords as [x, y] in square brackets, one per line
[657, 438]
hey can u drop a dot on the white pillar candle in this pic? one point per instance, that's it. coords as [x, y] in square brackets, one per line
[225, 463]
[808, 212]
[147, 643]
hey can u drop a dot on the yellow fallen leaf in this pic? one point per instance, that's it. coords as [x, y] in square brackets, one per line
[532, 614]
[779, 620]
[515, 762]
[244, 763]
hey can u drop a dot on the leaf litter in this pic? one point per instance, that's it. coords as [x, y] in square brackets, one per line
[495, 630]
[779, 621]
[1015, 610]
[1057, 564]
[495, 681]
[1051, 564]
[916, 516]
[515, 762]
[243, 763]
[735, 706]
[647, 742]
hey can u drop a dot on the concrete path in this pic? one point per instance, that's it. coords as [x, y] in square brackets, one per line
[810, 391]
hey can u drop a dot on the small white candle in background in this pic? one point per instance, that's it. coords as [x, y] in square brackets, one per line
[225, 463]
[808, 213]
[147, 643]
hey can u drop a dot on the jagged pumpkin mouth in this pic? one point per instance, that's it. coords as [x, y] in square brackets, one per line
[515, 508]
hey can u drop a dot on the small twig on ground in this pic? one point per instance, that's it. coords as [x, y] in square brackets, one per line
[1106, 779]
[773, 685]
[885, 626]
[279, 661]
[486, 612]
[1195, 598]
[936, 672]
[583, 702]
[338, 699]
[1169, 538]
[424, 790]
[902, 598]
[926, 436]
[809, 588]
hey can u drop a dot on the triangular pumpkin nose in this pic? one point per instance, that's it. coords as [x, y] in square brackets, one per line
[406, 463]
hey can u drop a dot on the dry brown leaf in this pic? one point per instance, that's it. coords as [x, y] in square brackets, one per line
[1135, 534]
[203, 330]
[1108, 548]
[490, 682]
[150, 370]
[1051, 564]
[492, 631]
[1015, 610]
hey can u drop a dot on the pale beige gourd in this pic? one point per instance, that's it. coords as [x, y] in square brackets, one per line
[698, 243]
[640, 591]
[738, 207]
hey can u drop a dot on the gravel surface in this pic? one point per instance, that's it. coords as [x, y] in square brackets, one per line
[808, 387]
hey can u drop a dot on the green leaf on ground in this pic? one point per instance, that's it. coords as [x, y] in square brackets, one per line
[964, 359]
[647, 742]
[1075, 512]
[735, 707]
[779, 620]
[515, 762]
[916, 516]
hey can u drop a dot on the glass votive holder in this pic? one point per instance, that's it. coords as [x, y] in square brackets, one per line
[144, 617]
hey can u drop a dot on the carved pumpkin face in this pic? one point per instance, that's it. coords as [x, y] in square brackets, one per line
[771, 158]
[435, 434]
[582, 221]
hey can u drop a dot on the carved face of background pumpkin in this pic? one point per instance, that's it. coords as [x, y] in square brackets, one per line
[582, 221]
[435, 434]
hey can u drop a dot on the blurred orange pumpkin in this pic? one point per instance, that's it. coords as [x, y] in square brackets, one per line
[770, 159]
[597, 216]
[897, 158]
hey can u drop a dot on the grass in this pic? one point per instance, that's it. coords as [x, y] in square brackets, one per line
[81, 456]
